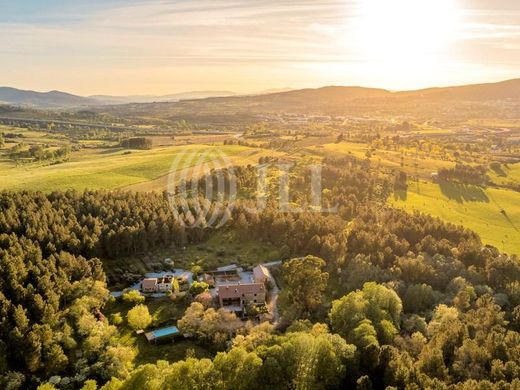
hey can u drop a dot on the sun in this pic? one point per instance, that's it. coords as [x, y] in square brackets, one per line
[401, 34]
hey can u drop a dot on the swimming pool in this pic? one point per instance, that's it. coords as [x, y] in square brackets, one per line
[163, 332]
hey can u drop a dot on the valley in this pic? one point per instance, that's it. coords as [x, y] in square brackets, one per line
[425, 218]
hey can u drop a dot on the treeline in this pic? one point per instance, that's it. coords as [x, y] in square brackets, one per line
[38, 152]
[137, 143]
[465, 174]
[95, 223]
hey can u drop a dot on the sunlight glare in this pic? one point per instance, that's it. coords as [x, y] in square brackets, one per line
[400, 33]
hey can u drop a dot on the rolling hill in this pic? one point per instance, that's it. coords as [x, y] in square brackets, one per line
[108, 99]
[207, 106]
[52, 99]
[453, 102]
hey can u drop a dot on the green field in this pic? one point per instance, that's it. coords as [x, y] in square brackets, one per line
[493, 213]
[108, 168]
[223, 248]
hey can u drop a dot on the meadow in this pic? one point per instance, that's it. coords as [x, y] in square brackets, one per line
[493, 213]
[115, 168]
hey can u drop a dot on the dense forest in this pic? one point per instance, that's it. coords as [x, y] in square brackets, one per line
[372, 297]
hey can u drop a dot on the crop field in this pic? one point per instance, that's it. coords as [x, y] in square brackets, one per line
[111, 168]
[493, 213]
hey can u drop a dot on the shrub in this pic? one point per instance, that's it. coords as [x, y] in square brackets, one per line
[133, 296]
[139, 317]
[116, 319]
[198, 288]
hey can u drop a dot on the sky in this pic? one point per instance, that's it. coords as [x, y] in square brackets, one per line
[128, 47]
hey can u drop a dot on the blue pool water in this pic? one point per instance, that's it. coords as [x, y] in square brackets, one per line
[169, 331]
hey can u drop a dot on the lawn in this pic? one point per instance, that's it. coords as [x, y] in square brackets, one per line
[108, 168]
[164, 312]
[225, 247]
[493, 213]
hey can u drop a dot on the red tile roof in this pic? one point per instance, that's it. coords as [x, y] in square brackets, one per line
[236, 290]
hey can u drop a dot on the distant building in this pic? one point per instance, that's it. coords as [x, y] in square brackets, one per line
[209, 279]
[161, 284]
[236, 296]
[149, 285]
[261, 274]
[165, 283]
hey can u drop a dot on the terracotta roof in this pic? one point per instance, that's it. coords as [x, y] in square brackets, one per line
[236, 290]
[149, 283]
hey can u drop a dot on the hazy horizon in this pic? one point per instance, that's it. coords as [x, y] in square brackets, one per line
[159, 47]
[268, 90]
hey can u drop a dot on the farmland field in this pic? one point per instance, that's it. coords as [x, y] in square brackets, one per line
[493, 213]
[113, 168]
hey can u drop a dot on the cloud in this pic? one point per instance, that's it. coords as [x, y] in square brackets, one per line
[261, 38]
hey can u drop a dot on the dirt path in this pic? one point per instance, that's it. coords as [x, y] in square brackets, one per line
[273, 302]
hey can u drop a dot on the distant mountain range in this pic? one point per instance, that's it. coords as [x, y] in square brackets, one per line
[106, 99]
[57, 99]
[500, 99]
[50, 99]
[325, 100]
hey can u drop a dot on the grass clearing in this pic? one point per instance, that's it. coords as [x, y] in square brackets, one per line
[225, 247]
[493, 213]
[241, 157]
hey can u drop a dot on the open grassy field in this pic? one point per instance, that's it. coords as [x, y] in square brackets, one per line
[236, 156]
[113, 168]
[493, 213]
[224, 248]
